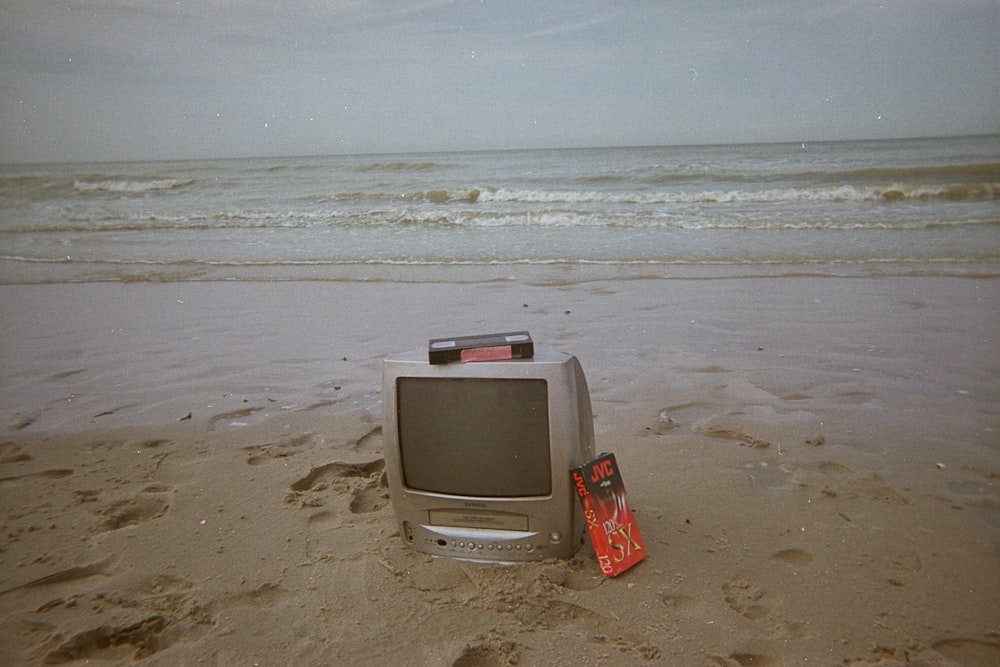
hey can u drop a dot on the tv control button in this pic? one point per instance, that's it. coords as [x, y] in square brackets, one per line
[530, 547]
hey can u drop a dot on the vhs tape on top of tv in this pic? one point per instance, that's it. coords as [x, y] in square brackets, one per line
[612, 527]
[482, 347]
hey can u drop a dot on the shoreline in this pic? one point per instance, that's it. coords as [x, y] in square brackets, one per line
[19, 271]
[814, 464]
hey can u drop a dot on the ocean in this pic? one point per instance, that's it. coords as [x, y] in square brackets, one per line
[862, 208]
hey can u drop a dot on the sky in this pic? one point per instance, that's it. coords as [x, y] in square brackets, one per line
[84, 80]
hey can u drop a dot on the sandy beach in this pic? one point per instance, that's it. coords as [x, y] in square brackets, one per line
[192, 473]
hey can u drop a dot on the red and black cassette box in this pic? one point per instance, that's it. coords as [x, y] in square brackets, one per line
[484, 347]
[613, 529]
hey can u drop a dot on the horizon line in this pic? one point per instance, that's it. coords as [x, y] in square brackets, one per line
[292, 156]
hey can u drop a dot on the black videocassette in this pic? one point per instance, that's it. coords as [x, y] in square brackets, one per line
[483, 347]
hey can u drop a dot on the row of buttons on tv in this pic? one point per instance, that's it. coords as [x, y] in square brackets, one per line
[472, 546]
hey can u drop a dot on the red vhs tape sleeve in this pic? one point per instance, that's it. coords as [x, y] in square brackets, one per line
[613, 529]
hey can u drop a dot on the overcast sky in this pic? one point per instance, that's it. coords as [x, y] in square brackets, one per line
[148, 79]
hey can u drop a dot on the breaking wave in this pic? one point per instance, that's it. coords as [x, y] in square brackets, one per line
[843, 193]
[127, 185]
[485, 195]
[548, 217]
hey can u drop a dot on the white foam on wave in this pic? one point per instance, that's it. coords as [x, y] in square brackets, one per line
[552, 216]
[132, 186]
[892, 192]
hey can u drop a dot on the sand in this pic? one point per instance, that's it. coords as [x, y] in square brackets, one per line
[192, 473]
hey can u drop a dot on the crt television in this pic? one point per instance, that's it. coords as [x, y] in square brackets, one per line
[478, 455]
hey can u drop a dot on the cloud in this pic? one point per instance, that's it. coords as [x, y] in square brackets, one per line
[144, 78]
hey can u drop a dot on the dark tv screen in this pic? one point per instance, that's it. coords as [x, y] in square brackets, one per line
[474, 436]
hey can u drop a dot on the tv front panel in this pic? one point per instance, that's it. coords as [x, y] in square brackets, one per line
[478, 454]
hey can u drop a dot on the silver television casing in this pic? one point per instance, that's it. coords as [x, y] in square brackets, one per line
[496, 529]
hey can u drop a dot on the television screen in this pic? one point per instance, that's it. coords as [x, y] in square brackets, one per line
[474, 436]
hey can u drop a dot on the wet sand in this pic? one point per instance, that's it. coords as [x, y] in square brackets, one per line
[193, 473]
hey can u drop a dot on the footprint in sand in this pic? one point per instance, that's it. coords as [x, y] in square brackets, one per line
[364, 483]
[265, 596]
[555, 614]
[159, 612]
[370, 441]
[367, 499]
[878, 491]
[489, 651]
[744, 598]
[320, 477]
[969, 651]
[958, 651]
[143, 636]
[680, 606]
[729, 434]
[630, 644]
[135, 510]
[579, 573]
[835, 470]
[11, 453]
[848, 483]
[793, 556]
[258, 455]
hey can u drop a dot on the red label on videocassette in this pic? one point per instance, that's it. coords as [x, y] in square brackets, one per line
[613, 529]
